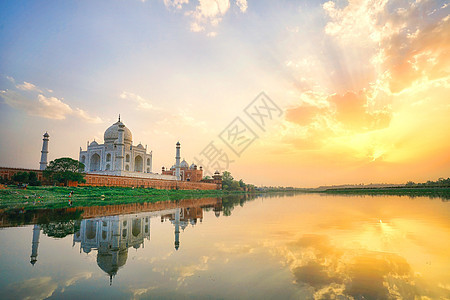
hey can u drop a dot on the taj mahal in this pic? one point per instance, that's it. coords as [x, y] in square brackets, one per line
[117, 162]
[118, 156]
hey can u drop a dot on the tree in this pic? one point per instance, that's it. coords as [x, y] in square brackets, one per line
[26, 177]
[20, 177]
[234, 186]
[65, 169]
[33, 179]
[227, 179]
[241, 183]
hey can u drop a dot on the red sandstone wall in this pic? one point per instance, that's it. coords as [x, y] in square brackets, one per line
[122, 181]
[106, 180]
[8, 173]
[186, 173]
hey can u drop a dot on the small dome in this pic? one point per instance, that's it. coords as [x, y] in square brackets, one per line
[46, 134]
[112, 133]
[184, 164]
[140, 146]
[193, 166]
[94, 143]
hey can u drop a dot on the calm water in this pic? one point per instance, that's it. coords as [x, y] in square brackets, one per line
[282, 247]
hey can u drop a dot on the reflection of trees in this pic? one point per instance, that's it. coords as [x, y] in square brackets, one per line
[282, 194]
[60, 223]
[230, 201]
[60, 229]
[39, 216]
[17, 217]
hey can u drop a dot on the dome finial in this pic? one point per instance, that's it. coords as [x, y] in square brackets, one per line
[119, 117]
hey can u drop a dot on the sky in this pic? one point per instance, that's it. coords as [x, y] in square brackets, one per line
[352, 91]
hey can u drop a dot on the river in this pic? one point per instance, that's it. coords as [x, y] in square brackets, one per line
[279, 246]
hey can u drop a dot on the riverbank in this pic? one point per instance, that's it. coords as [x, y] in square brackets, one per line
[61, 197]
[432, 192]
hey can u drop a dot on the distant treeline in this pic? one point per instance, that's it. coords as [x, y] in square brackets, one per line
[441, 182]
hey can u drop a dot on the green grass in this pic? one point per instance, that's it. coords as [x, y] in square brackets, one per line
[58, 197]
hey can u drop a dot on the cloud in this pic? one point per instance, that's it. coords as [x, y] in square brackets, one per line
[242, 4]
[386, 52]
[51, 108]
[41, 105]
[321, 117]
[207, 14]
[141, 102]
[304, 114]
[408, 41]
[351, 109]
[26, 86]
[85, 116]
[178, 4]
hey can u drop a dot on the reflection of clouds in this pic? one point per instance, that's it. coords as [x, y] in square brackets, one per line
[234, 249]
[330, 272]
[75, 278]
[43, 287]
[154, 259]
[139, 292]
[38, 288]
[189, 270]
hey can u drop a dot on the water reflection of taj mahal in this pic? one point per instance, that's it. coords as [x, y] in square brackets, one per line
[111, 230]
[112, 236]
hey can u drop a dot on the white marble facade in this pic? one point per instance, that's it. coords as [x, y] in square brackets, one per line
[117, 156]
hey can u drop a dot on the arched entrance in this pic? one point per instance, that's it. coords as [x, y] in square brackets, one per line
[91, 229]
[95, 162]
[136, 227]
[138, 164]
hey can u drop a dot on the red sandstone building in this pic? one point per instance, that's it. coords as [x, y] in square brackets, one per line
[187, 173]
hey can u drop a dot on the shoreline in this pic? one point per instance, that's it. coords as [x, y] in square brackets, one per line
[52, 197]
[431, 192]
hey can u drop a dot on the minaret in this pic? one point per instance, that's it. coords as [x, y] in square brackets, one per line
[35, 244]
[177, 162]
[177, 229]
[44, 152]
[120, 147]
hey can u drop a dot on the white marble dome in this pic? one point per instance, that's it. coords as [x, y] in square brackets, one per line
[112, 133]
